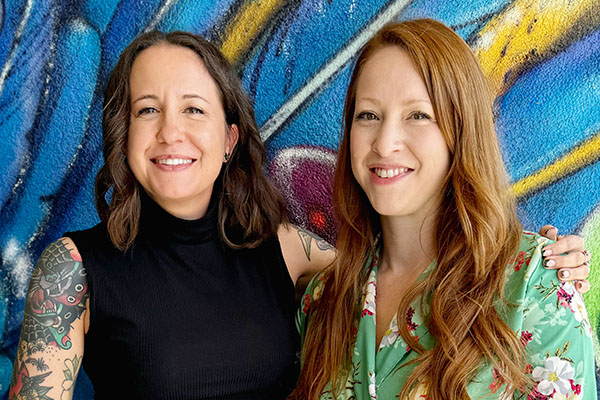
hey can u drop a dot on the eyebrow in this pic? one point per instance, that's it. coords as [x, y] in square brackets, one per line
[185, 96]
[143, 97]
[194, 96]
[414, 101]
[408, 102]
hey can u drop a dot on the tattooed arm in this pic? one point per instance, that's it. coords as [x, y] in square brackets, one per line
[54, 324]
[304, 252]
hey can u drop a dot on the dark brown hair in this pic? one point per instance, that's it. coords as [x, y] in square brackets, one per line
[250, 209]
[477, 235]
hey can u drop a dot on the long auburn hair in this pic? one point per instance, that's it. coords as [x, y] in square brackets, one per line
[250, 209]
[477, 235]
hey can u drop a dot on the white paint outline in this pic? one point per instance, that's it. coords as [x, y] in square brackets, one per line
[284, 163]
[329, 70]
[157, 18]
[17, 39]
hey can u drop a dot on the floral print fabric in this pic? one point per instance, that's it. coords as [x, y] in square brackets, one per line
[550, 319]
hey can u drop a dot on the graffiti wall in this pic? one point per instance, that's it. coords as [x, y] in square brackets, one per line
[542, 57]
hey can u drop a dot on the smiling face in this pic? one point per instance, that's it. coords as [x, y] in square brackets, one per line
[398, 154]
[178, 134]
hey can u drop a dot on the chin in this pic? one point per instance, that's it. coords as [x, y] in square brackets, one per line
[385, 210]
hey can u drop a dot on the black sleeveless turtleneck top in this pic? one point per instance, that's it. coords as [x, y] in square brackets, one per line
[182, 316]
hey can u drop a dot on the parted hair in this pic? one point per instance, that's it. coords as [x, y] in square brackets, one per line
[477, 236]
[250, 209]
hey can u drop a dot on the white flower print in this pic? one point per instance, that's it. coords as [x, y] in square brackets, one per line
[580, 313]
[572, 300]
[369, 307]
[419, 393]
[569, 288]
[391, 334]
[372, 386]
[553, 376]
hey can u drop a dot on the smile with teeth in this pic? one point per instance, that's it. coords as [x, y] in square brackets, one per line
[390, 173]
[173, 161]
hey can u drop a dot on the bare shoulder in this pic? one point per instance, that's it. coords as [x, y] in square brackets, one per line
[304, 252]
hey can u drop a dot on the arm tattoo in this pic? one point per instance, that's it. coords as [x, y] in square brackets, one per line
[26, 387]
[56, 297]
[322, 244]
[39, 363]
[70, 372]
[306, 238]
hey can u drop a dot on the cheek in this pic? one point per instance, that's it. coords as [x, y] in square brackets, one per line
[437, 150]
[444, 157]
[210, 146]
[357, 147]
[136, 148]
[134, 144]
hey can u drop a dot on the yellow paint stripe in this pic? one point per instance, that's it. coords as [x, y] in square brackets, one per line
[246, 25]
[527, 27]
[580, 156]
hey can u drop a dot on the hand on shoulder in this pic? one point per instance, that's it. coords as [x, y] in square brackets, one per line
[567, 255]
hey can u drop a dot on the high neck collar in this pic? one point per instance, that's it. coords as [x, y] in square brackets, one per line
[157, 223]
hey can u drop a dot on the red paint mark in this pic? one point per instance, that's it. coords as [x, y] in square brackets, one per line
[318, 219]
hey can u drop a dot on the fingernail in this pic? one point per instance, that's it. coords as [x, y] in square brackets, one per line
[564, 274]
[549, 263]
[547, 252]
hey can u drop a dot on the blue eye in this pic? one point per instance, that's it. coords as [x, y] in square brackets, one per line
[194, 110]
[367, 116]
[147, 110]
[418, 115]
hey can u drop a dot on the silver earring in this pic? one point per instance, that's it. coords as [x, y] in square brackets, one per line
[226, 157]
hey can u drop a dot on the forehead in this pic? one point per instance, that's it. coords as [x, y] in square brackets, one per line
[390, 72]
[170, 66]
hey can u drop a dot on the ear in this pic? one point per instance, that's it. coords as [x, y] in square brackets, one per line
[231, 140]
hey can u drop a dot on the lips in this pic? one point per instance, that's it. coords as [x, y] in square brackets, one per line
[173, 161]
[390, 172]
[385, 174]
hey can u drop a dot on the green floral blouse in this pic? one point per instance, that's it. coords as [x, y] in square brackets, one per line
[550, 319]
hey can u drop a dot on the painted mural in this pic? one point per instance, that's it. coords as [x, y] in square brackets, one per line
[541, 56]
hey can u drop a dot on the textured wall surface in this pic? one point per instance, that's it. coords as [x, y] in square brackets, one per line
[542, 57]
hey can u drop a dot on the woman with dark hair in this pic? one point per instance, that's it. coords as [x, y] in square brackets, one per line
[435, 292]
[186, 288]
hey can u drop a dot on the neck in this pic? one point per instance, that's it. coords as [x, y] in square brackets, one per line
[188, 210]
[408, 243]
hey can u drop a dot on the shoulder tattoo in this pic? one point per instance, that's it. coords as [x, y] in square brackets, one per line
[57, 297]
[307, 237]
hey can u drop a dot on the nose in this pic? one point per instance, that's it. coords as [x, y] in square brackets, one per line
[169, 131]
[389, 138]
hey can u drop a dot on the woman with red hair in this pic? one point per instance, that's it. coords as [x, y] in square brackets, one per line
[435, 292]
